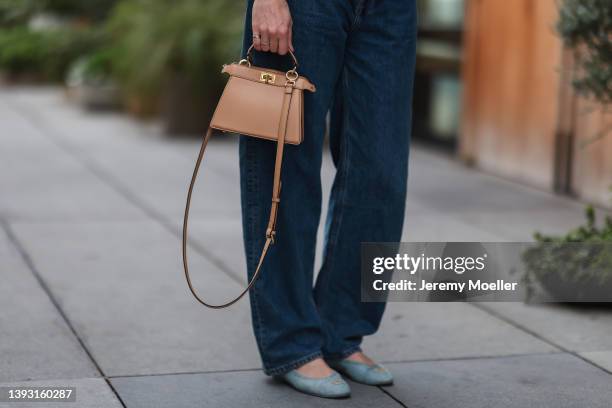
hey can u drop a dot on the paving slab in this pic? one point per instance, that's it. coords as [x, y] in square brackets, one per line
[35, 341]
[133, 158]
[520, 226]
[424, 225]
[223, 237]
[575, 328]
[473, 201]
[423, 331]
[40, 181]
[542, 381]
[235, 389]
[90, 393]
[57, 188]
[448, 186]
[48, 105]
[104, 132]
[122, 285]
[159, 179]
[601, 359]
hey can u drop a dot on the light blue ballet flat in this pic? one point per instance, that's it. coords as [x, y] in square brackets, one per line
[363, 373]
[332, 386]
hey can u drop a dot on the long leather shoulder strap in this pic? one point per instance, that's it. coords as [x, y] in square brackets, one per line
[276, 186]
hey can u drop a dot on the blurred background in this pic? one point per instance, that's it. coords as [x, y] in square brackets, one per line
[102, 103]
[493, 85]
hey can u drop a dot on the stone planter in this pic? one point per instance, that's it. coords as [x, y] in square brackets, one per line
[185, 111]
[97, 97]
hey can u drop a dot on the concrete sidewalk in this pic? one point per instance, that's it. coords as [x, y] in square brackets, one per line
[93, 296]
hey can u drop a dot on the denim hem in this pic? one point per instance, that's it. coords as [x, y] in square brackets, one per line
[285, 368]
[342, 355]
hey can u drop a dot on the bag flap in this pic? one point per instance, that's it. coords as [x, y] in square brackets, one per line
[256, 74]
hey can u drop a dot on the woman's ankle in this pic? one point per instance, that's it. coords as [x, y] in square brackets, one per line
[316, 368]
[360, 357]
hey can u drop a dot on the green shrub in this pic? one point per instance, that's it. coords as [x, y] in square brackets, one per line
[21, 51]
[93, 9]
[581, 256]
[66, 45]
[586, 26]
[157, 39]
[92, 69]
[46, 54]
[13, 12]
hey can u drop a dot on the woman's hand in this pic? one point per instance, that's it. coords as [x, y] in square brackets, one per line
[272, 26]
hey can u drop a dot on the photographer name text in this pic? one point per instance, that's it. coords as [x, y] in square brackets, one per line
[423, 285]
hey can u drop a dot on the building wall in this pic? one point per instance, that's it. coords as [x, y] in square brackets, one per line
[521, 118]
[511, 88]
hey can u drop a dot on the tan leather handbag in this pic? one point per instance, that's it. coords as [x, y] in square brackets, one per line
[262, 103]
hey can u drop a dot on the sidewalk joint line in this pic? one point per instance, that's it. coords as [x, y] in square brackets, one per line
[229, 371]
[468, 358]
[27, 259]
[393, 397]
[256, 369]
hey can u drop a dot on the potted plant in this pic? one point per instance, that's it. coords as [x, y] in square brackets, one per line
[170, 53]
[576, 267]
[90, 81]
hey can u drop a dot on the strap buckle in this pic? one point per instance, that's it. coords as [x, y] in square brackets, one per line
[270, 234]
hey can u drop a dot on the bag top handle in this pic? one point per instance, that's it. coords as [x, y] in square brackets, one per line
[248, 60]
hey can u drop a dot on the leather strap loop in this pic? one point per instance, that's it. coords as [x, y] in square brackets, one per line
[276, 187]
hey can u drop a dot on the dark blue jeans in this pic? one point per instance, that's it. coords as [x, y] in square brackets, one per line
[360, 55]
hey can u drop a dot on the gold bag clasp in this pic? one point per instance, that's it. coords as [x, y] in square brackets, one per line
[267, 77]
